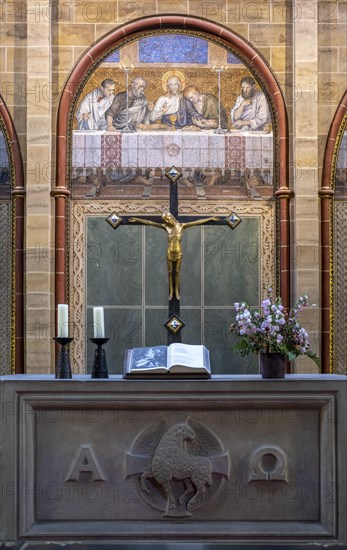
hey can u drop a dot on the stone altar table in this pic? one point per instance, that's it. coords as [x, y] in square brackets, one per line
[253, 461]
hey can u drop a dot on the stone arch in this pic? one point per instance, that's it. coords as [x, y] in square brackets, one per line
[16, 241]
[327, 194]
[208, 29]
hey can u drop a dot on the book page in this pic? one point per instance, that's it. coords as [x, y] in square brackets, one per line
[187, 355]
[148, 359]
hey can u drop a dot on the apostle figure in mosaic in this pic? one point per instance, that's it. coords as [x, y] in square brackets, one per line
[251, 110]
[135, 108]
[174, 253]
[91, 112]
[207, 106]
[173, 108]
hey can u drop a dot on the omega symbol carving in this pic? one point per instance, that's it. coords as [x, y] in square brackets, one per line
[268, 463]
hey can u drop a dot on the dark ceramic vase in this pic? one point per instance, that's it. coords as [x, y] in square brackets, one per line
[272, 365]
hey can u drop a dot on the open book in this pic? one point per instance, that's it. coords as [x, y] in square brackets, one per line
[177, 359]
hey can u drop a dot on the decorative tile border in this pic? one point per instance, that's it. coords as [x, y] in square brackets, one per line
[5, 287]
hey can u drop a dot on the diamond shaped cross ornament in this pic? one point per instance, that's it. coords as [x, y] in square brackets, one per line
[173, 174]
[114, 220]
[174, 324]
[233, 220]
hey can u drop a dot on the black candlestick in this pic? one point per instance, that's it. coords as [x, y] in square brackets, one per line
[63, 366]
[100, 364]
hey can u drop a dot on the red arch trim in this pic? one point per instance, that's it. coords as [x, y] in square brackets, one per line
[156, 23]
[18, 193]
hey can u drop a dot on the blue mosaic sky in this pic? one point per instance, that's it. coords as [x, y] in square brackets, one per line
[3, 151]
[173, 48]
[4, 162]
[113, 58]
[231, 58]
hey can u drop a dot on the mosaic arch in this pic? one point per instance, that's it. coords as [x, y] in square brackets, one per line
[11, 248]
[333, 195]
[191, 112]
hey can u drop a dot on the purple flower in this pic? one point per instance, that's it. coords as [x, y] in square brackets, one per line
[273, 328]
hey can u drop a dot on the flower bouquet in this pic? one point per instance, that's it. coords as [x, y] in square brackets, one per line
[273, 329]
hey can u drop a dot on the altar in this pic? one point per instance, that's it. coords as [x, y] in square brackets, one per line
[234, 459]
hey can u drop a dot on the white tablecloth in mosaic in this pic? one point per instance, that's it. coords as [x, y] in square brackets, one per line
[167, 148]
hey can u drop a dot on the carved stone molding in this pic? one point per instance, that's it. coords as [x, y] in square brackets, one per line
[265, 211]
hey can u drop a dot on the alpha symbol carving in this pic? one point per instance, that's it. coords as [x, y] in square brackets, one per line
[184, 468]
[85, 463]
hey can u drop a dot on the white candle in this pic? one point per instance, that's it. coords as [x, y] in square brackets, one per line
[63, 321]
[99, 322]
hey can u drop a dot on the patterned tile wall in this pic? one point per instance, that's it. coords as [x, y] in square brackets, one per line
[5, 287]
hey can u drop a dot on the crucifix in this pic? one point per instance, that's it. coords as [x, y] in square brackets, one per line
[174, 254]
[174, 229]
